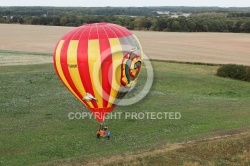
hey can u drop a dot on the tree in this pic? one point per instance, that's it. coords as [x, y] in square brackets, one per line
[35, 21]
[142, 23]
[230, 25]
[237, 26]
[2, 20]
[21, 20]
[63, 21]
[42, 21]
[175, 26]
[247, 27]
[14, 19]
[191, 26]
[154, 24]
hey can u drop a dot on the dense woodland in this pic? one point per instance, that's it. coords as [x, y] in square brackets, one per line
[202, 19]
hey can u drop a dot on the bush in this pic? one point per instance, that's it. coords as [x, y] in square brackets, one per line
[248, 74]
[238, 72]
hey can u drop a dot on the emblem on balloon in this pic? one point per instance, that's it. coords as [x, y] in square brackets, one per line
[131, 67]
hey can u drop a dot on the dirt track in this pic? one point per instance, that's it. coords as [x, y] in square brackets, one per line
[192, 47]
[129, 158]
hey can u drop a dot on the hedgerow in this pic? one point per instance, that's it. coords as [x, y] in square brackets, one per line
[239, 72]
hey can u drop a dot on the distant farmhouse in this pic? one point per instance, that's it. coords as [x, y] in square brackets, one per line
[173, 14]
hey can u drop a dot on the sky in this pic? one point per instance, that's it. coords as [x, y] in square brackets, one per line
[126, 3]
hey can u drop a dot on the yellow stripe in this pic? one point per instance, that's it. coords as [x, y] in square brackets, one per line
[117, 56]
[94, 61]
[74, 68]
[59, 69]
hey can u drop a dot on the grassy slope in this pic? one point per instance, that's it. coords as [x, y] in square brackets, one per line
[233, 150]
[34, 109]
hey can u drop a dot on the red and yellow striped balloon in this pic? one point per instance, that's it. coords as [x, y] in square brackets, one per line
[98, 63]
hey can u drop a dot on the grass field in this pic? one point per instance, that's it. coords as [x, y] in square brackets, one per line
[35, 128]
[226, 151]
[193, 47]
[213, 130]
[10, 58]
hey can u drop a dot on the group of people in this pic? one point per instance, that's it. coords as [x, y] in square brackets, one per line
[103, 131]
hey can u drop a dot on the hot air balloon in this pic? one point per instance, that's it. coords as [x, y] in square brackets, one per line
[98, 63]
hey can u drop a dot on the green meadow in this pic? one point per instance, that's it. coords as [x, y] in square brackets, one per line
[35, 128]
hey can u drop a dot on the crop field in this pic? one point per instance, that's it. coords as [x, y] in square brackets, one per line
[35, 128]
[216, 48]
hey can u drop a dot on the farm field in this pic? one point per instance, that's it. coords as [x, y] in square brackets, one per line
[214, 127]
[35, 128]
[216, 48]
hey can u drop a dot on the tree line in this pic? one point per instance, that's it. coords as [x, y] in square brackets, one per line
[130, 11]
[233, 21]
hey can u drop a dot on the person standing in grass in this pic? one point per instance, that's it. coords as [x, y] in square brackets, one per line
[98, 134]
[105, 128]
[108, 134]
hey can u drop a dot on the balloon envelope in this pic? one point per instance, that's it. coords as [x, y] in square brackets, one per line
[98, 63]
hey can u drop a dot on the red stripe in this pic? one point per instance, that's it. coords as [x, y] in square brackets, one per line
[78, 33]
[109, 32]
[106, 65]
[69, 34]
[93, 34]
[76, 36]
[54, 59]
[117, 31]
[112, 30]
[83, 66]
[65, 65]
